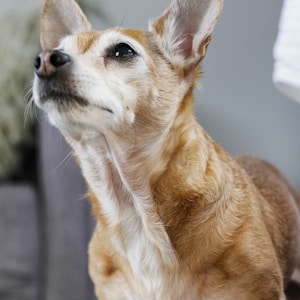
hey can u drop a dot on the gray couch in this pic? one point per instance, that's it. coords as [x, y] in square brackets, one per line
[45, 228]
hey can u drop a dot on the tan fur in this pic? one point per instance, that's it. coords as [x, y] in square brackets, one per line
[177, 216]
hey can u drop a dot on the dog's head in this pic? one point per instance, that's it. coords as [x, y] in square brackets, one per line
[92, 82]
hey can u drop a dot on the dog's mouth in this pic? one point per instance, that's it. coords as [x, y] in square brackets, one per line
[62, 98]
[65, 99]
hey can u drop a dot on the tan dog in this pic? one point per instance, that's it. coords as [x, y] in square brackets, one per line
[178, 218]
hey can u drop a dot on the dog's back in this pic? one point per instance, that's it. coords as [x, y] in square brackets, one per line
[280, 210]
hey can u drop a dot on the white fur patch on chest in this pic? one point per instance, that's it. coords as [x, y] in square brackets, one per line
[140, 238]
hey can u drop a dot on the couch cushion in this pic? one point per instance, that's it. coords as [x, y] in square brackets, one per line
[19, 246]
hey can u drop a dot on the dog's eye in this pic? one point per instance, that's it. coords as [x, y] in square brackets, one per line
[121, 51]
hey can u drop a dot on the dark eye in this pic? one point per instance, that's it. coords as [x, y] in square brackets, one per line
[121, 51]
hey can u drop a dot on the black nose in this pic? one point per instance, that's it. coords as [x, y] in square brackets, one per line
[47, 63]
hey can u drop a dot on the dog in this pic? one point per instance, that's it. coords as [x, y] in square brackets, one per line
[177, 216]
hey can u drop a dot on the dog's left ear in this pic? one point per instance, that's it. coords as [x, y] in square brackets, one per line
[184, 30]
[59, 19]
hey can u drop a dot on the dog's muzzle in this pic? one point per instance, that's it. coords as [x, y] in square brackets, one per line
[49, 62]
[51, 68]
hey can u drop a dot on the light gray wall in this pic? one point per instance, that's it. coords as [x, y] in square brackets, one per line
[238, 104]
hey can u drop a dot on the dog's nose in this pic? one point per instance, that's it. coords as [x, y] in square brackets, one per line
[47, 63]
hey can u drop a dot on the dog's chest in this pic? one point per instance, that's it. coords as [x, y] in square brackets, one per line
[117, 279]
[119, 276]
[120, 287]
[141, 245]
[146, 266]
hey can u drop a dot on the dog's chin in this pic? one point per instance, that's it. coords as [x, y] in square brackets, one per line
[78, 124]
[76, 121]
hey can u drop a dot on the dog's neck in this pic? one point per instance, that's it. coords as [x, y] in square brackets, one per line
[120, 177]
[122, 200]
[130, 183]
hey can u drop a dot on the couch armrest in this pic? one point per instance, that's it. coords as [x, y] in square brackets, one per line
[67, 219]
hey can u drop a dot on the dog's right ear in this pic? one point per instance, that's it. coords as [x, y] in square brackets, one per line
[59, 19]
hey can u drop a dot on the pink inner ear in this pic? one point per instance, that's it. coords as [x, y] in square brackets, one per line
[186, 45]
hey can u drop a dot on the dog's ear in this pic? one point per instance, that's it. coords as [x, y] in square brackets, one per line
[184, 29]
[59, 19]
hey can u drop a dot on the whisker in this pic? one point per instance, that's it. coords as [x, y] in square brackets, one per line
[28, 112]
[64, 161]
[123, 20]
[30, 104]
